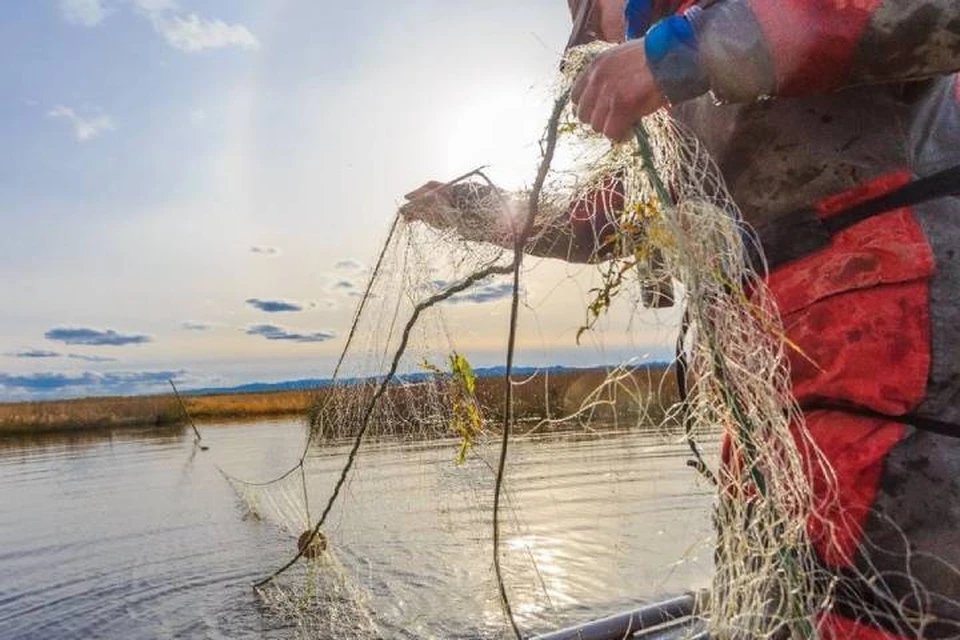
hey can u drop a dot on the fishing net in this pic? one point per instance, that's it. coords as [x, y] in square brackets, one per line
[669, 231]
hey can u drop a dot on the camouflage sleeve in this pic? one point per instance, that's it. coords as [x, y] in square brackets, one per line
[752, 48]
[746, 49]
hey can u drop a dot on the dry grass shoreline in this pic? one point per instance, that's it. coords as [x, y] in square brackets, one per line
[140, 411]
[552, 394]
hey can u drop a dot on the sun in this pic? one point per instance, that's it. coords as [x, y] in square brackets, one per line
[500, 129]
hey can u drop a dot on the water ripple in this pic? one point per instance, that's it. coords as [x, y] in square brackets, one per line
[136, 535]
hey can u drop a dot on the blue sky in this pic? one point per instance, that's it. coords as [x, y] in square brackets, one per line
[193, 187]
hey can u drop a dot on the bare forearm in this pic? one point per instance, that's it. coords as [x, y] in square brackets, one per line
[566, 242]
[479, 212]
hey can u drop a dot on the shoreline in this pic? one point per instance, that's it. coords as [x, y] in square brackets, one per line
[550, 394]
[87, 414]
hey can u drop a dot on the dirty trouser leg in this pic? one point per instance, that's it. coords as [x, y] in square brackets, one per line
[911, 543]
[905, 576]
[860, 313]
[886, 537]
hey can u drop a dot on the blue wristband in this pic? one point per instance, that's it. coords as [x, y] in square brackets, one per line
[673, 58]
[667, 35]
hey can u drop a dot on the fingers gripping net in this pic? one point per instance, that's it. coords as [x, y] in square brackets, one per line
[399, 375]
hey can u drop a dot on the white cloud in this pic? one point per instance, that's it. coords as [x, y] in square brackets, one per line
[84, 128]
[155, 6]
[186, 32]
[265, 251]
[193, 33]
[190, 325]
[350, 265]
[88, 13]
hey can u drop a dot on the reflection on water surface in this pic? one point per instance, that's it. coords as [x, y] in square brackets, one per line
[134, 534]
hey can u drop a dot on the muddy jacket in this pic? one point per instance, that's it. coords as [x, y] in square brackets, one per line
[823, 104]
[867, 83]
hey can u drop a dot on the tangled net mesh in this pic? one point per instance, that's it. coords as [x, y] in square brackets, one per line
[401, 376]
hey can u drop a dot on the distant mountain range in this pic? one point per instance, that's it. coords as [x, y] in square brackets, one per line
[314, 383]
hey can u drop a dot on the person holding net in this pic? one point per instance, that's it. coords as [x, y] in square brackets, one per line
[836, 126]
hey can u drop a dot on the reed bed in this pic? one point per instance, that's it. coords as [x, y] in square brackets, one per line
[543, 396]
[156, 410]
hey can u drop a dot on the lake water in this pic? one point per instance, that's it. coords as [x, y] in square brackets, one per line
[136, 534]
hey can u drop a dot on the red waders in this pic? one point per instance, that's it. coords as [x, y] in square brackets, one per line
[858, 311]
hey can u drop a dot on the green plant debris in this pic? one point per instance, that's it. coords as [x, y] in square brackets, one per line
[638, 234]
[467, 419]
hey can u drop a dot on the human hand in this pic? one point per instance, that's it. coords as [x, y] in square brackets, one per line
[426, 203]
[616, 90]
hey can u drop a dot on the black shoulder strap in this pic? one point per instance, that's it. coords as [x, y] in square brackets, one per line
[939, 185]
[922, 423]
[802, 232]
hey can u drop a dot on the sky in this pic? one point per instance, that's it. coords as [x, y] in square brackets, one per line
[195, 188]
